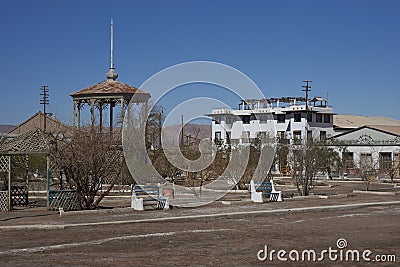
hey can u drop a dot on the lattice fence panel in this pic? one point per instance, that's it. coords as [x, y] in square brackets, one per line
[3, 201]
[66, 199]
[4, 163]
[19, 195]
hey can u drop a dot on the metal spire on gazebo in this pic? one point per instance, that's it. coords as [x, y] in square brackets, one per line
[106, 93]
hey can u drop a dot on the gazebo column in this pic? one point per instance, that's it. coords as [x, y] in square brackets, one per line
[79, 114]
[74, 113]
[100, 106]
[111, 115]
[76, 116]
[122, 111]
[92, 112]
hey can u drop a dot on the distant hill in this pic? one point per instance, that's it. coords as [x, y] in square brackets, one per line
[6, 128]
[171, 134]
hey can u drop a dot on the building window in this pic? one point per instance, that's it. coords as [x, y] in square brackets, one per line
[297, 117]
[228, 119]
[327, 118]
[348, 160]
[217, 119]
[217, 136]
[319, 117]
[245, 119]
[322, 135]
[281, 118]
[309, 117]
[262, 135]
[297, 137]
[385, 160]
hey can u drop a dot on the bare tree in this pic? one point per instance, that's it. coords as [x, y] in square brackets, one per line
[367, 169]
[91, 160]
[391, 168]
[308, 158]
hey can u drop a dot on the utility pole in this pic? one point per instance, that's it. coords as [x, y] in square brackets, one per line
[44, 101]
[306, 90]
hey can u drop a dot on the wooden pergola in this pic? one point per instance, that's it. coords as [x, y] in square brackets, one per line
[31, 143]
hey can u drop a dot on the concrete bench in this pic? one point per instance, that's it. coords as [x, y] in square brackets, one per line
[264, 190]
[148, 195]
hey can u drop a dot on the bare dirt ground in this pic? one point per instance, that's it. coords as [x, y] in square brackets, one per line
[217, 240]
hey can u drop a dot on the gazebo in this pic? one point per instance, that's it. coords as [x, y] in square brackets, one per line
[107, 93]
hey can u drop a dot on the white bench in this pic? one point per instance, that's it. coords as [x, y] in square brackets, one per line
[262, 190]
[148, 195]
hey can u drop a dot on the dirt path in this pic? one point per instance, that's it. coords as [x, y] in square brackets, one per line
[221, 241]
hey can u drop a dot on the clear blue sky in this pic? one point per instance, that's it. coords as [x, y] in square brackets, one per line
[349, 48]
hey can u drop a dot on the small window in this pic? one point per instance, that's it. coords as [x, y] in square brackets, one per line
[217, 119]
[217, 135]
[281, 118]
[245, 119]
[262, 135]
[348, 160]
[297, 117]
[322, 135]
[228, 119]
[319, 117]
[297, 135]
[327, 118]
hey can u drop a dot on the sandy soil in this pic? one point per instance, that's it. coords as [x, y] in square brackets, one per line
[231, 240]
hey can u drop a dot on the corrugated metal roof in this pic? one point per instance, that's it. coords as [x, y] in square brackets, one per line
[356, 121]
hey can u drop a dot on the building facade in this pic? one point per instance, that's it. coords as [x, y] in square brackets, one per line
[361, 141]
[289, 119]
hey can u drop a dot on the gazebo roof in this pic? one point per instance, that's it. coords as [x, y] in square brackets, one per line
[33, 142]
[109, 88]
